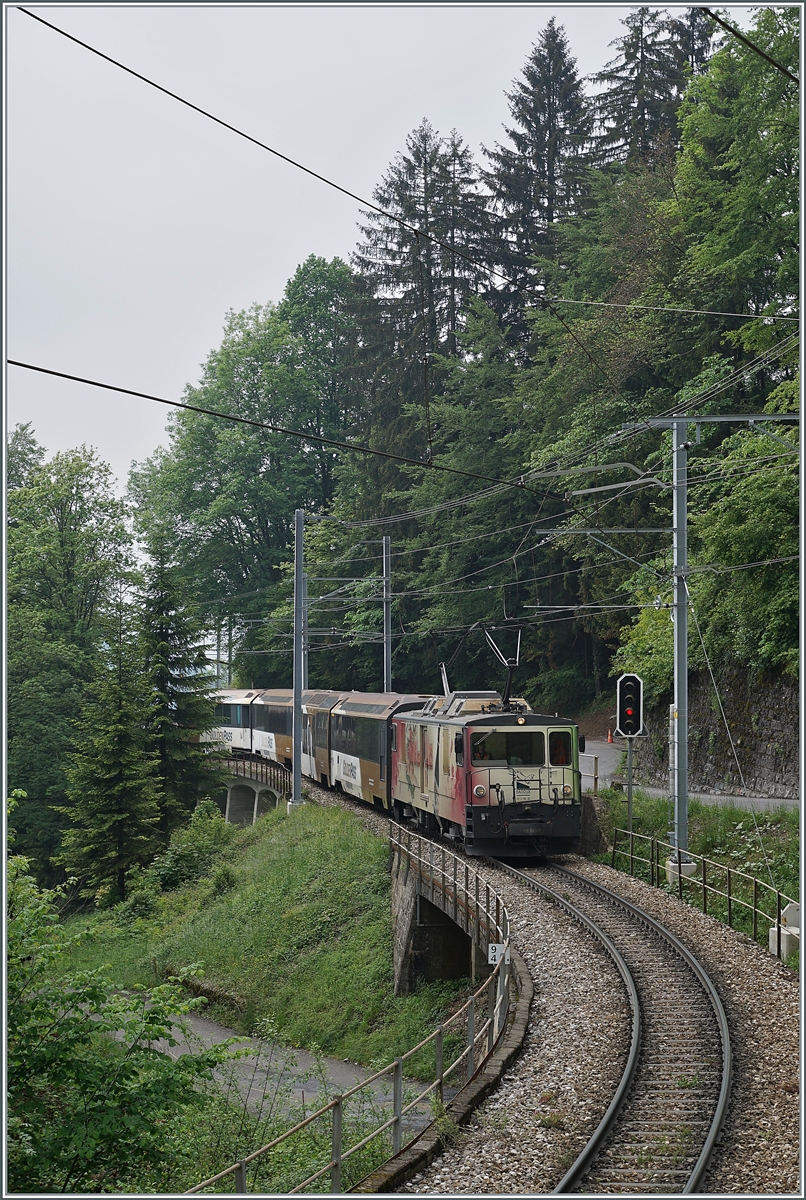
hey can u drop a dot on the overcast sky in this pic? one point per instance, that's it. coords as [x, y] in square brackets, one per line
[133, 224]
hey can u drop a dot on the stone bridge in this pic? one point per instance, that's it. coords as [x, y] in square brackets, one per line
[253, 789]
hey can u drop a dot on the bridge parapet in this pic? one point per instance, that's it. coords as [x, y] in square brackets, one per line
[444, 915]
[257, 785]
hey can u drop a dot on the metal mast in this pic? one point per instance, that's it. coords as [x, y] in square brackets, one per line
[387, 614]
[680, 614]
[296, 778]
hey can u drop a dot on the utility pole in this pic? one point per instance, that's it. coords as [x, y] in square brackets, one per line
[680, 617]
[387, 614]
[296, 769]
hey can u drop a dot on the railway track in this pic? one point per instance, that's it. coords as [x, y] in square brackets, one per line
[665, 1117]
[666, 1114]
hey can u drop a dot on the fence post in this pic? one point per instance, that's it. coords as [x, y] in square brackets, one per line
[652, 863]
[431, 867]
[467, 898]
[755, 909]
[439, 1066]
[471, 1036]
[397, 1100]
[478, 928]
[778, 924]
[490, 1015]
[335, 1147]
[455, 888]
[704, 889]
[487, 909]
[240, 1179]
[613, 858]
[730, 900]
[679, 873]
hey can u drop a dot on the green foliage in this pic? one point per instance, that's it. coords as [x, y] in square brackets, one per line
[92, 1102]
[67, 545]
[23, 455]
[193, 850]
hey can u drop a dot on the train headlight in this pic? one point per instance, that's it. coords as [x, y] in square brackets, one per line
[566, 790]
[479, 790]
[521, 720]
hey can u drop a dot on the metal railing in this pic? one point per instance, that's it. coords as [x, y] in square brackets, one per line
[469, 900]
[742, 891]
[262, 769]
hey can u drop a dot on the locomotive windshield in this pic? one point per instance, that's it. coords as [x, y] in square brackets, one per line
[513, 748]
[522, 748]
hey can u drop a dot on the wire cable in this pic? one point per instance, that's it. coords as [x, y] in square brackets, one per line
[727, 727]
[307, 437]
[752, 45]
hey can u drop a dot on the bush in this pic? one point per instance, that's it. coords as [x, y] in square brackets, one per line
[193, 850]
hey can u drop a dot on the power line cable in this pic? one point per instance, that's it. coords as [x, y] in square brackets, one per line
[700, 312]
[757, 49]
[307, 437]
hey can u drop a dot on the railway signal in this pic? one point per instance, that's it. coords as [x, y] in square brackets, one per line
[629, 706]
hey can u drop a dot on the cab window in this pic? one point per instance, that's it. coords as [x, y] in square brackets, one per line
[560, 748]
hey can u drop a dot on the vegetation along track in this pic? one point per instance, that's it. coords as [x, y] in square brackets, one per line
[661, 1126]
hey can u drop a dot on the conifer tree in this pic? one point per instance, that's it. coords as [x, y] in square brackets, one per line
[540, 178]
[693, 35]
[113, 788]
[179, 672]
[433, 187]
[637, 111]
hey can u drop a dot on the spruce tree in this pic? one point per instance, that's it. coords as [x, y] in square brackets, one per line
[113, 788]
[423, 286]
[540, 178]
[180, 676]
[637, 111]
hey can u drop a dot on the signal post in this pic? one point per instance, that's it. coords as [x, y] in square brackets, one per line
[629, 724]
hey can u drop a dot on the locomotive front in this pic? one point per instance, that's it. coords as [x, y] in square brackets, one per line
[523, 794]
[490, 773]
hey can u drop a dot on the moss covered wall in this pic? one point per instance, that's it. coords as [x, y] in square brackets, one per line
[762, 713]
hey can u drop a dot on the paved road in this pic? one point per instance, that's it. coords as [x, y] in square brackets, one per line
[610, 757]
[274, 1076]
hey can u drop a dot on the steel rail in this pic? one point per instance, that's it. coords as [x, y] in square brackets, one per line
[586, 1157]
[698, 1170]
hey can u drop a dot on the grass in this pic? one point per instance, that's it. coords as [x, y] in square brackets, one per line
[764, 845]
[299, 932]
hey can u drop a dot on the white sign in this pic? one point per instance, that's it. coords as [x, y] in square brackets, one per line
[495, 951]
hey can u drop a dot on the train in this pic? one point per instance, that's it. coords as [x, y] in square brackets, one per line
[472, 766]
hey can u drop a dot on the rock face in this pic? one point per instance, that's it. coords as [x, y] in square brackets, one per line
[762, 715]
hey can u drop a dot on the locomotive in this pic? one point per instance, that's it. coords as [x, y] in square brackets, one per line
[477, 768]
